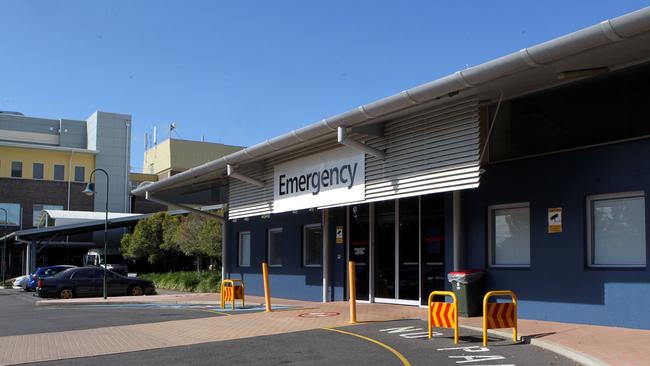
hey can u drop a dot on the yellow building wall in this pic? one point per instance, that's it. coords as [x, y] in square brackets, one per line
[159, 156]
[188, 154]
[49, 158]
[180, 155]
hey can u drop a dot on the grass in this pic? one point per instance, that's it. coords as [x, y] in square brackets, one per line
[185, 281]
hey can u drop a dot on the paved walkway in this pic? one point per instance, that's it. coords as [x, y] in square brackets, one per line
[596, 345]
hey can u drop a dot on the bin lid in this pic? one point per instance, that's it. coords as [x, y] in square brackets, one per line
[466, 272]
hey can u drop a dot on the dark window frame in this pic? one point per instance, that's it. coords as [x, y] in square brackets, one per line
[41, 166]
[14, 169]
[54, 175]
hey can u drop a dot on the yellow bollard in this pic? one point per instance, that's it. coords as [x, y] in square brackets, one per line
[267, 289]
[443, 314]
[353, 292]
[503, 315]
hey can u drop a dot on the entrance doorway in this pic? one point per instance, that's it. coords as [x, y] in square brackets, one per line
[399, 249]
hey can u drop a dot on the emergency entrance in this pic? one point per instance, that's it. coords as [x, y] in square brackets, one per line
[399, 248]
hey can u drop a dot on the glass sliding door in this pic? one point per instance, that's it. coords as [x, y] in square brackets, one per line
[384, 250]
[360, 248]
[409, 249]
[433, 244]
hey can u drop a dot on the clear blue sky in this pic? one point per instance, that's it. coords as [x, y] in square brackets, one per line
[243, 71]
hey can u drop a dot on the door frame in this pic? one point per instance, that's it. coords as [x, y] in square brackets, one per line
[395, 300]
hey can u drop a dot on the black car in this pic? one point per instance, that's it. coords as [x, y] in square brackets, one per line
[89, 281]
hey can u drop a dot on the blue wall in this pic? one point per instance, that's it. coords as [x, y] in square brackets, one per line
[559, 286]
[338, 269]
[292, 280]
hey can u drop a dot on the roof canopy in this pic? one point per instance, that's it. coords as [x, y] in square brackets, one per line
[608, 46]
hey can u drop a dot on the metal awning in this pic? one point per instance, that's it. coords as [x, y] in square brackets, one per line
[611, 45]
[78, 228]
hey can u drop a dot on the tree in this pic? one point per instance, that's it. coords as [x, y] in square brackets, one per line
[199, 236]
[146, 240]
[168, 240]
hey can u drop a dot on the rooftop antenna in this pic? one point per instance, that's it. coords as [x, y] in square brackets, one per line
[172, 127]
[146, 141]
[155, 137]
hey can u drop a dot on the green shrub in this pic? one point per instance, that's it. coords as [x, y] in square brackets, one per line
[185, 281]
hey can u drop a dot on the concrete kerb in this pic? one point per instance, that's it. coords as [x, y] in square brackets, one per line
[103, 302]
[567, 352]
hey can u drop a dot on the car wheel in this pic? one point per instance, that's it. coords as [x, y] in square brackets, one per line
[136, 291]
[66, 294]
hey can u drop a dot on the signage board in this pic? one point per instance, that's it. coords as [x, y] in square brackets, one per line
[324, 179]
[555, 220]
[339, 235]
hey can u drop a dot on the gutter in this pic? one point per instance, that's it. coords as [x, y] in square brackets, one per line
[604, 33]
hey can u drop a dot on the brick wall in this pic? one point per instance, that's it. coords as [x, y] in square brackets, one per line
[28, 193]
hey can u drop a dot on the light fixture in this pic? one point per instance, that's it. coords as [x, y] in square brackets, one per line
[89, 190]
[582, 73]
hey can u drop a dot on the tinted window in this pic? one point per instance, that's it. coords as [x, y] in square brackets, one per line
[37, 171]
[59, 172]
[16, 169]
[275, 247]
[88, 273]
[79, 173]
[617, 235]
[13, 214]
[510, 235]
[597, 110]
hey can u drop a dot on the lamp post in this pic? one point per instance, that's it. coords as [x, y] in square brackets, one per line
[90, 191]
[4, 246]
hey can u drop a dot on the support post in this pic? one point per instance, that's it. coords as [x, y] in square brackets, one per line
[457, 230]
[353, 292]
[267, 289]
[224, 247]
[326, 263]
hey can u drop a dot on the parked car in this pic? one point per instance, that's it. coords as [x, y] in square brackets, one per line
[44, 272]
[88, 282]
[21, 282]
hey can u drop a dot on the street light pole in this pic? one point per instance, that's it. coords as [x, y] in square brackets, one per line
[4, 246]
[90, 190]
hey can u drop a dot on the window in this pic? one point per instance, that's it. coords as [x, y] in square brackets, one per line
[59, 172]
[312, 246]
[572, 116]
[38, 209]
[275, 247]
[509, 235]
[79, 174]
[13, 214]
[16, 169]
[84, 274]
[244, 249]
[37, 171]
[616, 230]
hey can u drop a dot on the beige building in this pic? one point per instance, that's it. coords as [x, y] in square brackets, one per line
[173, 156]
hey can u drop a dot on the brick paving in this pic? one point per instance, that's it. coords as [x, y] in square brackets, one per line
[616, 346]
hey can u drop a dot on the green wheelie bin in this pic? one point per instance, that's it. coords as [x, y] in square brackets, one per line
[468, 287]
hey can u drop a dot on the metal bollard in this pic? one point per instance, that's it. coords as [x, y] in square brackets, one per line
[267, 289]
[353, 292]
[443, 314]
[501, 315]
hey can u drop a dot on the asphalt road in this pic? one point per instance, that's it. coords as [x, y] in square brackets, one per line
[20, 315]
[386, 343]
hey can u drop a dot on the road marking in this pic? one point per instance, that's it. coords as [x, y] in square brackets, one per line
[401, 357]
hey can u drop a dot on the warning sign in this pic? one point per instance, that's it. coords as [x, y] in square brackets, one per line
[339, 235]
[555, 220]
